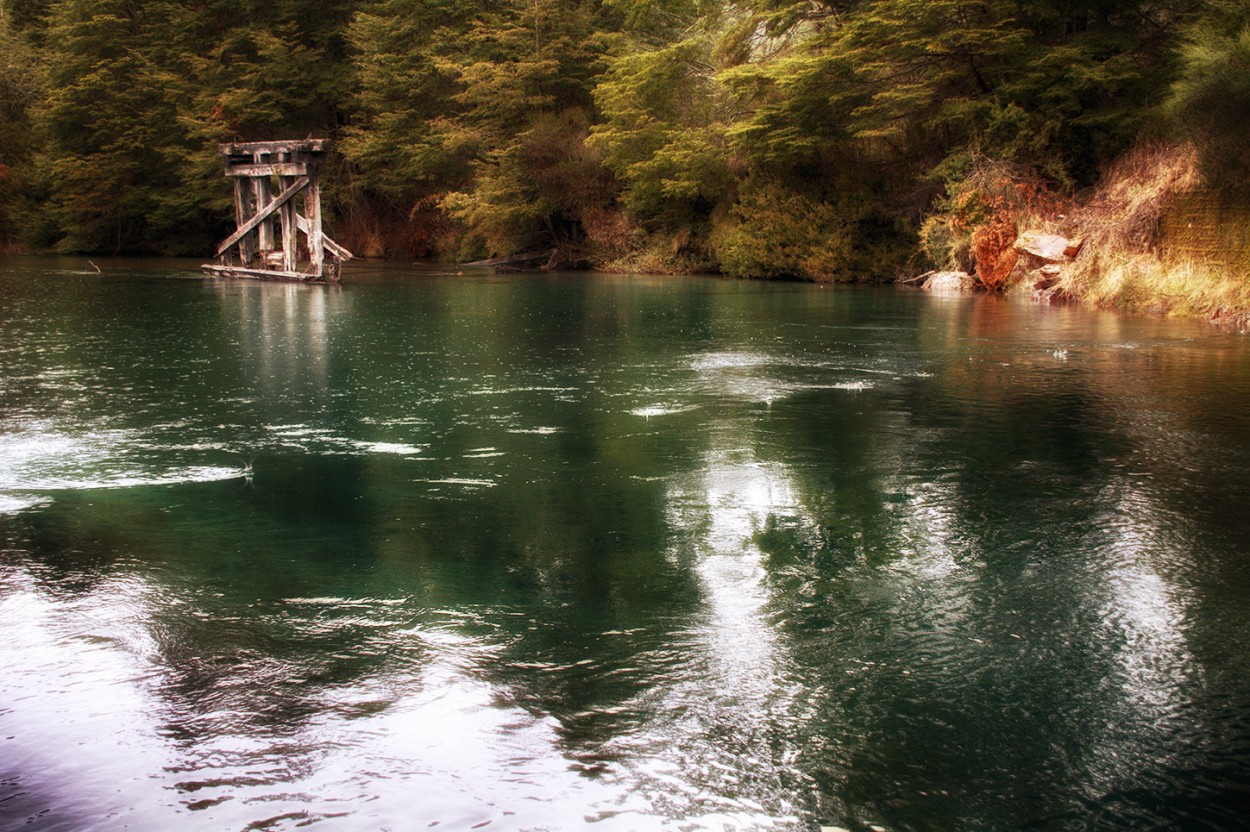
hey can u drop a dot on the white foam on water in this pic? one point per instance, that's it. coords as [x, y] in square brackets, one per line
[39, 458]
[504, 391]
[13, 503]
[661, 410]
[728, 360]
[472, 483]
[389, 447]
[298, 430]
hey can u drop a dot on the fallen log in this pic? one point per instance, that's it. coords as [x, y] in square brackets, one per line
[529, 258]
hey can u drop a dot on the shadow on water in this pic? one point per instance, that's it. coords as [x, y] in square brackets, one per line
[679, 554]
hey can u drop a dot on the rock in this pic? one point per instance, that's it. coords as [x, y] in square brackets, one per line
[1052, 294]
[949, 283]
[1049, 247]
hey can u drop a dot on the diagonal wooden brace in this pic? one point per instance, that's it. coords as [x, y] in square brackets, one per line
[331, 246]
[264, 213]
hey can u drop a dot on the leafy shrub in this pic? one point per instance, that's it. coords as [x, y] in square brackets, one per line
[776, 232]
[937, 241]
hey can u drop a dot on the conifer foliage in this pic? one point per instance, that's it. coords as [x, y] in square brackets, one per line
[804, 138]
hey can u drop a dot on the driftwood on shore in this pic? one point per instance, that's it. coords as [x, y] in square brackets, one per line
[550, 260]
[530, 259]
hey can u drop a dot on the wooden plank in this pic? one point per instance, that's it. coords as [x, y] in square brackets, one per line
[334, 248]
[269, 169]
[288, 146]
[337, 250]
[259, 274]
[263, 190]
[264, 213]
[242, 213]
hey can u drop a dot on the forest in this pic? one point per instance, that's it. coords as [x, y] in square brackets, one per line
[818, 139]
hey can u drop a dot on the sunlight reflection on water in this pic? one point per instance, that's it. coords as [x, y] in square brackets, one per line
[638, 554]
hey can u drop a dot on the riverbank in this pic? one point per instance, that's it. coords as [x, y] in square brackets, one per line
[1156, 236]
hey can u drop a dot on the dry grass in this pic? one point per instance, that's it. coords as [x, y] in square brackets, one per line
[1127, 211]
[1125, 262]
[1147, 283]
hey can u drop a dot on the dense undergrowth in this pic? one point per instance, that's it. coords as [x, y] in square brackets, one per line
[813, 139]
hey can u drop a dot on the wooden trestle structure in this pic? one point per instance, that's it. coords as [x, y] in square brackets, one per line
[267, 178]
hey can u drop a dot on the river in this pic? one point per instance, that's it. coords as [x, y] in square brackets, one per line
[613, 552]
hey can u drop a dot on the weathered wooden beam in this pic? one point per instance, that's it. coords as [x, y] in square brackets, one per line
[243, 212]
[289, 146]
[334, 248]
[262, 187]
[337, 250]
[289, 227]
[312, 208]
[269, 169]
[263, 214]
[259, 274]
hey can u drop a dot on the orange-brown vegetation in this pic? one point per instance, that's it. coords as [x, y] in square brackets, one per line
[984, 215]
[992, 247]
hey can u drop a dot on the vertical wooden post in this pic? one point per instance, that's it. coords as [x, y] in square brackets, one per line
[242, 213]
[289, 226]
[312, 210]
[264, 196]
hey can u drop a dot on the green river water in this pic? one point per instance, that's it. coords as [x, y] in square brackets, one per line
[613, 552]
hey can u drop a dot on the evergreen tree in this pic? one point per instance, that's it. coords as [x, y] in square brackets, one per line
[406, 86]
[1210, 99]
[140, 93]
[22, 86]
[663, 133]
[107, 115]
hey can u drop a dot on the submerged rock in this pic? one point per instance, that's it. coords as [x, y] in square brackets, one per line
[949, 283]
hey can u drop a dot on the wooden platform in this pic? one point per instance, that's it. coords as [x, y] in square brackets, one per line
[262, 274]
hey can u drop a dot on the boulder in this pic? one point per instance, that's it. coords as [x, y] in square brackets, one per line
[949, 283]
[1049, 247]
[1032, 275]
